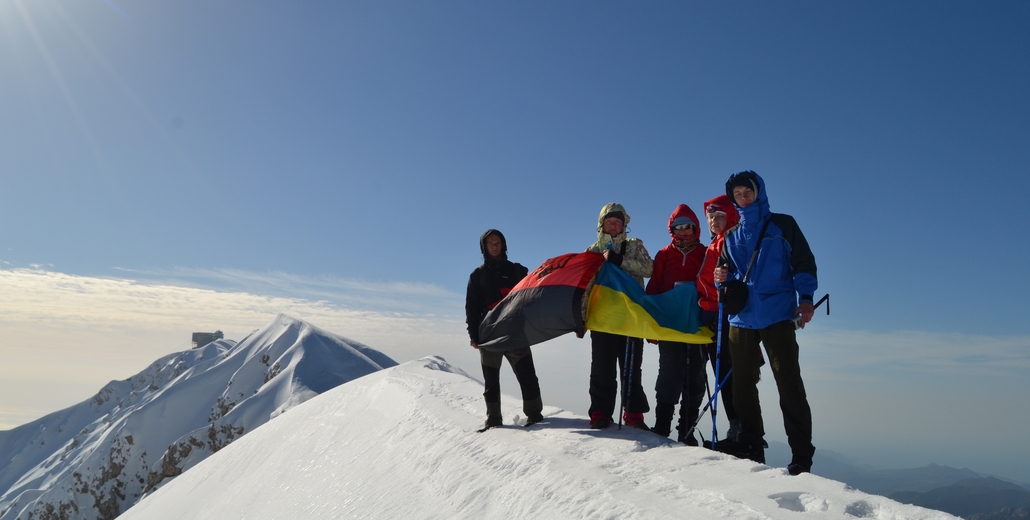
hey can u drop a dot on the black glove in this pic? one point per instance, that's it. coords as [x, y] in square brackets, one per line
[616, 258]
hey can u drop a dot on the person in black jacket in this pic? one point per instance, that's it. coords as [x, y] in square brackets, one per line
[488, 284]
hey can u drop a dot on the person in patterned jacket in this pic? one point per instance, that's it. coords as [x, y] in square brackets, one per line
[608, 351]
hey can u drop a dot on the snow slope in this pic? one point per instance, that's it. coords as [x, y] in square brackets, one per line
[401, 443]
[97, 458]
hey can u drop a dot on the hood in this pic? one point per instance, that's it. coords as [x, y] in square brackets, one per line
[758, 210]
[684, 211]
[612, 207]
[725, 205]
[482, 245]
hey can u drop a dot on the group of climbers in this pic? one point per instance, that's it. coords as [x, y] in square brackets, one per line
[751, 247]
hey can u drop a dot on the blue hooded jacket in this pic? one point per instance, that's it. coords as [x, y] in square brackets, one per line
[784, 270]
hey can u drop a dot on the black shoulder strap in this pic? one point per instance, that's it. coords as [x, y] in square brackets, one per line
[758, 245]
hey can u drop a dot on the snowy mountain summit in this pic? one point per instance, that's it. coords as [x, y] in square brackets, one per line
[98, 458]
[402, 443]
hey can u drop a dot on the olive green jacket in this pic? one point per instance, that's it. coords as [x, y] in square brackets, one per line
[635, 261]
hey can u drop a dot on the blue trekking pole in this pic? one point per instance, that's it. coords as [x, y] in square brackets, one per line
[718, 360]
[718, 387]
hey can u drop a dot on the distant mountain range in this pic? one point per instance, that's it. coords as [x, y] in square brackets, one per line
[961, 492]
[973, 498]
[99, 457]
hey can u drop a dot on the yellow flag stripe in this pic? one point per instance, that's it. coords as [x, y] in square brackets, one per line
[614, 312]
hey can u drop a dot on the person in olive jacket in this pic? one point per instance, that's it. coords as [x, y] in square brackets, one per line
[608, 351]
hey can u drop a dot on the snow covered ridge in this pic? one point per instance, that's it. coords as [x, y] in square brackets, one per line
[401, 443]
[98, 458]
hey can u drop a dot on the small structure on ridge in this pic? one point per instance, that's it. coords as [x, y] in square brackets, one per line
[201, 339]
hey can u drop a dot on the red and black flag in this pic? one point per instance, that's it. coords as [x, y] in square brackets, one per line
[544, 305]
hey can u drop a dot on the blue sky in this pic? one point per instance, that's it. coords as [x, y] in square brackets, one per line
[352, 153]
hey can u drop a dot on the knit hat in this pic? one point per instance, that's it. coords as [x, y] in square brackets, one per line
[615, 214]
[744, 180]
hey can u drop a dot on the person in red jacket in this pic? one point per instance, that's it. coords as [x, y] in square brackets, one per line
[722, 216]
[681, 366]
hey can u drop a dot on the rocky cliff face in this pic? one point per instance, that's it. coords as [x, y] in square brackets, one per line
[97, 458]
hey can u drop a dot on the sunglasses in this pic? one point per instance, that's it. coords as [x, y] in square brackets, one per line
[681, 227]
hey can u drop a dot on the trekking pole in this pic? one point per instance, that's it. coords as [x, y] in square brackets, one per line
[701, 414]
[825, 298]
[718, 360]
[630, 370]
[625, 377]
[708, 393]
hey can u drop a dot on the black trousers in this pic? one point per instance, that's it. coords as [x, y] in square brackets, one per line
[681, 374]
[608, 351]
[781, 347]
[521, 362]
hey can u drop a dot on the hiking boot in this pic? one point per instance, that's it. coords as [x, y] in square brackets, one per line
[800, 464]
[639, 425]
[599, 421]
[533, 419]
[689, 440]
[635, 420]
[533, 407]
[755, 452]
[493, 414]
[734, 429]
[663, 419]
[795, 468]
[727, 446]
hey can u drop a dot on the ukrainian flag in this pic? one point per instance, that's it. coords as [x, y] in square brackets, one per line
[618, 305]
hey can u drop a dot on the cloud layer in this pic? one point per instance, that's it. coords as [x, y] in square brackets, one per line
[895, 399]
[66, 335]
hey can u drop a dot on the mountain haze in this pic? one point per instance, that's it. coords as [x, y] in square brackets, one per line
[987, 497]
[97, 458]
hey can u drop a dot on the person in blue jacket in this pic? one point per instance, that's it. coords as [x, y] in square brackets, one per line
[781, 285]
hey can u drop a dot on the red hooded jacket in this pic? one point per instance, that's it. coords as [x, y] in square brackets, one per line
[672, 264]
[707, 294]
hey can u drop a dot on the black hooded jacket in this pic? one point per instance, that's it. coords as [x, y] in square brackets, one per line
[489, 283]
